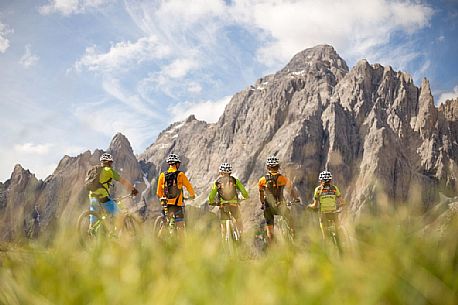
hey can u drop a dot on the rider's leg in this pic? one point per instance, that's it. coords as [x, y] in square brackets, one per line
[323, 221]
[235, 210]
[223, 216]
[179, 220]
[93, 204]
[269, 216]
[112, 209]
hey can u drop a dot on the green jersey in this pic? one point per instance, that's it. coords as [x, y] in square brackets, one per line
[107, 175]
[327, 195]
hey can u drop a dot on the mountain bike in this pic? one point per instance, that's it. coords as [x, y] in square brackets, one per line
[98, 223]
[332, 228]
[232, 235]
[165, 221]
[282, 224]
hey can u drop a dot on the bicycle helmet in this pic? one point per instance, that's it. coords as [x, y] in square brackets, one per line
[106, 157]
[272, 161]
[325, 176]
[225, 168]
[173, 158]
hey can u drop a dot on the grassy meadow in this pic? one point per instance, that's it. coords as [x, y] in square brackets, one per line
[387, 260]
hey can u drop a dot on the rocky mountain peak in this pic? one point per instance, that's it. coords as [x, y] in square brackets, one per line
[316, 58]
[124, 159]
[120, 143]
[21, 175]
[427, 112]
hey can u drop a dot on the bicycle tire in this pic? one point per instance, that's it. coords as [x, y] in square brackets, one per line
[130, 225]
[285, 230]
[334, 236]
[230, 237]
[85, 231]
[157, 225]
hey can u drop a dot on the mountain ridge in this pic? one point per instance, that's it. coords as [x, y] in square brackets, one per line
[381, 136]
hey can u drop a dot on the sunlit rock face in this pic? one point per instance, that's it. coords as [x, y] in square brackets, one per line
[380, 135]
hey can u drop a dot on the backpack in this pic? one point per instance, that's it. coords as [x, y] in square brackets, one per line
[171, 189]
[92, 181]
[272, 187]
[226, 186]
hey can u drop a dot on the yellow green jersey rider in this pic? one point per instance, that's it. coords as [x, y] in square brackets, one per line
[224, 192]
[327, 200]
[101, 196]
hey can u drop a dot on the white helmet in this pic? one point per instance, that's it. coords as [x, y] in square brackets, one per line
[106, 157]
[325, 176]
[225, 168]
[172, 158]
[272, 161]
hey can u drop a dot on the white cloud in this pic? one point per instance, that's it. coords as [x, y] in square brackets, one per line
[122, 55]
[4, 42]
[28, 59]
[114, 88]
[448, 95]
[138, 129]
[31, 148]
[357, 26]
[170, 77]
[70, 7]
[209, 111]
[194, 87]
[180, 67]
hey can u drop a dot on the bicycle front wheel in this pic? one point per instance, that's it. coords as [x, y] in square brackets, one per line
[91, 225]
[130, 225]
[157, 226]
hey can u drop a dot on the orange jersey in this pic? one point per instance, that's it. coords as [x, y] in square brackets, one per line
[281, 181]
[182, 180]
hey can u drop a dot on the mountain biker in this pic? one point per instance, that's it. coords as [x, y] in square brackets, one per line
[170, 191]
[327, 199]
[224, 193]
[273, 202]
[101, 196]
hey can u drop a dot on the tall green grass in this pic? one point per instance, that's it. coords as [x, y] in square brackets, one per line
[388, 260]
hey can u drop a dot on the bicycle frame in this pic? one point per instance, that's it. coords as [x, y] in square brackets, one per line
[283, 225]
[232, 232]
[101, 215]
[331, 228]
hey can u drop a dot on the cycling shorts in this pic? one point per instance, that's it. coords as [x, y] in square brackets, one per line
[176, 210]
[110, 205]
[270, 212]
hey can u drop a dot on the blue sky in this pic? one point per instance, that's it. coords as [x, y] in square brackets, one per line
[75, 72]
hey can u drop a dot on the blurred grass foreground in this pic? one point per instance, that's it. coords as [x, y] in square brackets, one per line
[392, 259]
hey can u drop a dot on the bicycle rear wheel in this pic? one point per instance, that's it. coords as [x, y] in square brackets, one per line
[285, 230]
[88, 230]
[130, 225]
[157, 226]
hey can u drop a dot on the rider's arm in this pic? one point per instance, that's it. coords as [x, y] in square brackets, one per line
[261, 186]
[339, 200]
[292, 190]
[242, 189]
[188, 186]
[316, 201]
[212, 195]
[126, 184]
[160, 186]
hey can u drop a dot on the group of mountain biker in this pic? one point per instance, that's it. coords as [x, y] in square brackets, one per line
[224, 193]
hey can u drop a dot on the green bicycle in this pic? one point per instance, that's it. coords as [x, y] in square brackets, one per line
[232, 235]
[96, 224]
